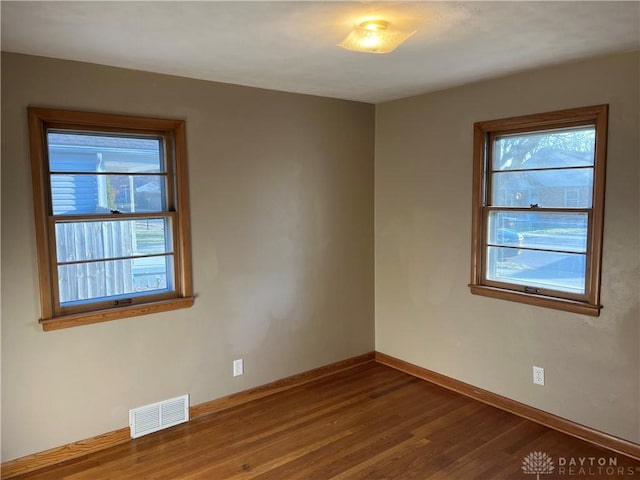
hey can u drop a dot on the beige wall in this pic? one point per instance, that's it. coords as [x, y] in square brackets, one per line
[282, 225]
[424, 311]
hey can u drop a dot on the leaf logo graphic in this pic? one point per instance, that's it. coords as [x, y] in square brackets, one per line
[537, 463]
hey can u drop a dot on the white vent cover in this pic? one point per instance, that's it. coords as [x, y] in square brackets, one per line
[158, 416]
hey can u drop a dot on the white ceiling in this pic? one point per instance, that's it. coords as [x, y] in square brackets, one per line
[291, 46]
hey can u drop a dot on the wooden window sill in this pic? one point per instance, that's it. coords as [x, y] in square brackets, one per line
[573, 306]
[97, 316]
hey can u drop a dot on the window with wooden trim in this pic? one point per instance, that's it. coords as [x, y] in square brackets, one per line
[112, 220]
[538, 208]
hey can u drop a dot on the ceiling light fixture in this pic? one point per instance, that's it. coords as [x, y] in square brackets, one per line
[374, 36]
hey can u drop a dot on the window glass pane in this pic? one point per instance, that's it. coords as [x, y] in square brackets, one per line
[112, 278]
[78, 152]
[552, 149]
[153, 273]
[572, 188]
[539, 230]
[97, 240]
[564, 272]
[90, 194]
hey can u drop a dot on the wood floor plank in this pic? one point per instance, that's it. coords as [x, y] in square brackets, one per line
[369, 422]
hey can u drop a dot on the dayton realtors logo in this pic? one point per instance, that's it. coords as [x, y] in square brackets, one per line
[539, 463]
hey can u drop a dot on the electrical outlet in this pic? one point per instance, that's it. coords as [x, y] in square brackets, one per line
[538, 375]
[238, 367]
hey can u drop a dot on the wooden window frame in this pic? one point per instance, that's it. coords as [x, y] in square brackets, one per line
[484, 133]
[53, 315]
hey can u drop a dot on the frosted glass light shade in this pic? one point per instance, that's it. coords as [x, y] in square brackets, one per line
[374, 36]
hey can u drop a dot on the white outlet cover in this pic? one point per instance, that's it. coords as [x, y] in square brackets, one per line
[238, 367]
[538, 375]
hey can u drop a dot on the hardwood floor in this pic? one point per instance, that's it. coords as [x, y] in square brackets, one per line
[368, 422]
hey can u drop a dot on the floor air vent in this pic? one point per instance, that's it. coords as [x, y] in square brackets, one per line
[158, 416]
